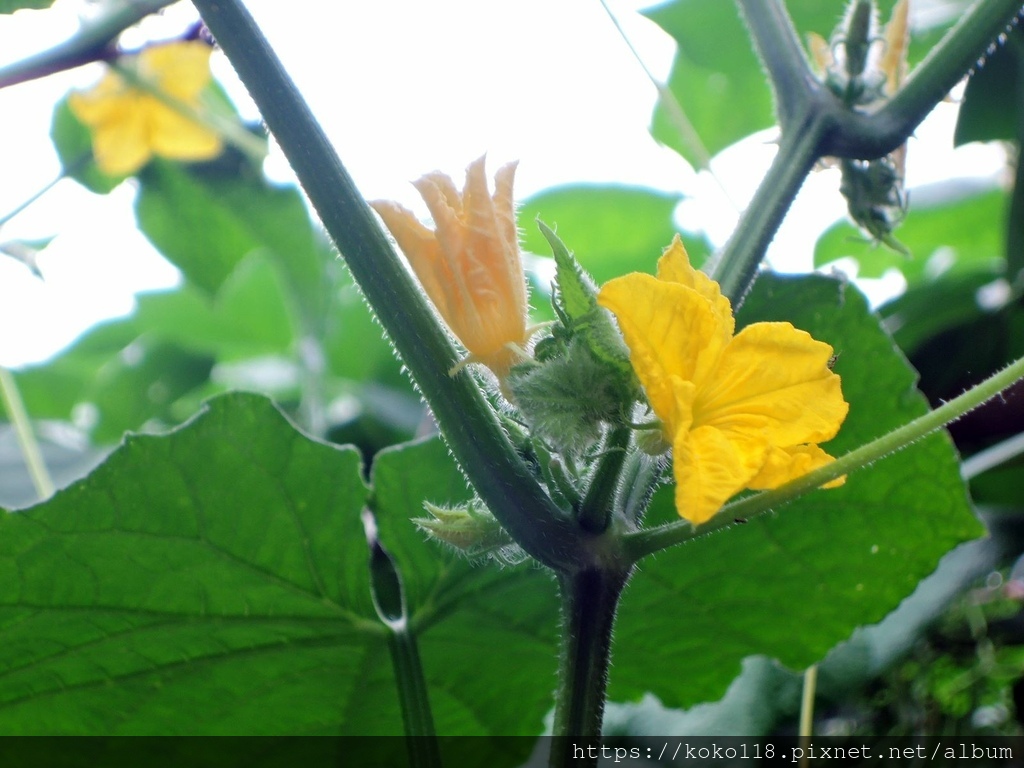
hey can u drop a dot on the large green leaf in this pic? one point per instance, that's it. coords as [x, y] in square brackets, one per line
[994, 97]
[716, 77]
[214, 580]
[792, 585]
[967, 231]
[611, 229]
[467, 613]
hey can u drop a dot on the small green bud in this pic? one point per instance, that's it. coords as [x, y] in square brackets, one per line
[471, 529]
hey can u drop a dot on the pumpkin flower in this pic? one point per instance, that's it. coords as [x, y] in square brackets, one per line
[130, 124]
[469, 265]
[740, 410]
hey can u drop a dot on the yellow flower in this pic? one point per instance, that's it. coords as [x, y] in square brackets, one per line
[470, 266]
[740, 410]
[130, 125]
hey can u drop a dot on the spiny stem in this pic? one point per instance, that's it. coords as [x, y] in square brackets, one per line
[589, 602]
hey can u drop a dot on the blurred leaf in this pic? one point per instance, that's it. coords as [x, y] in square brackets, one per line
[716, 76]
[134, 370]
[928, 309]
[214, 581]
[73, 143]
[611, 229]
[791, 586]
[963, 234]
[993, 103]
[206, 219]
[10, 6]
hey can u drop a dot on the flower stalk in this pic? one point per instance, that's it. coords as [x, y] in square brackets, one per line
[470, 426]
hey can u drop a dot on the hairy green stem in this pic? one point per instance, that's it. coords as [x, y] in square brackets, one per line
[597, 507]
[779, 48]
[91, 43]
[589, 602]
[867, 136]
[642, 543]
[10, 398]
[469, 425]
[735, 268]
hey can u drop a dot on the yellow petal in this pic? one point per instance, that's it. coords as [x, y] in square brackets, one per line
[674, 267]
[671, 333]
[785, 464]
[174, 136]
[773, 380]
[710, 468]
[180, 69]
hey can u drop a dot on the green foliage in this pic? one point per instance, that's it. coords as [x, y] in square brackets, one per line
[960, 235]
[214, 580]
[994, 97]
[613, 229]
[792, 586]
[10, 6]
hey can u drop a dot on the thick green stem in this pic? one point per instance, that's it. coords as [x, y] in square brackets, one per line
[641, 543]
[596, 510]
[736, 266]
[589, 602]
[871, 135]
[779, 48]
[471, 428]
[92, 43]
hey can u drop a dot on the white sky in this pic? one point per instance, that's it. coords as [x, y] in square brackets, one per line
[401, 87]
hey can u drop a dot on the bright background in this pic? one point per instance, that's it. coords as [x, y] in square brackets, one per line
[403, 88]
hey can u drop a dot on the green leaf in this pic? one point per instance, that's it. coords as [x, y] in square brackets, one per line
[207, 581]
[214, 581]
[466, 613]
[964, 234]
[994, 98]
[205, 220]
[73, 143]
[716, 77]
[792, 585]
[611, 229]
[10, 6]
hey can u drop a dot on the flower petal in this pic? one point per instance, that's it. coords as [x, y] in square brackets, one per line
[671, 333]
[785, 464]
[773, 380]
[674, 267]
[710, 467]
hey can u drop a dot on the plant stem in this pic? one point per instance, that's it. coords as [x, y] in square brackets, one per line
[779, 48]
[388, 594]
[638, 544]
[866, 136]
[735, 268]
[10, 398]
[91, 43]
[469, 424]
[589, 601]
[596, 510]
[807, 702]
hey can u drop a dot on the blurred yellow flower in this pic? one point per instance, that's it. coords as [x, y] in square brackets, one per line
[130, 125]
[740, 410]
[469, 265]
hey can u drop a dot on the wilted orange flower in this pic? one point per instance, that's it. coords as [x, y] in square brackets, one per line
[469, 265]
[741, 410]
[130, 125]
